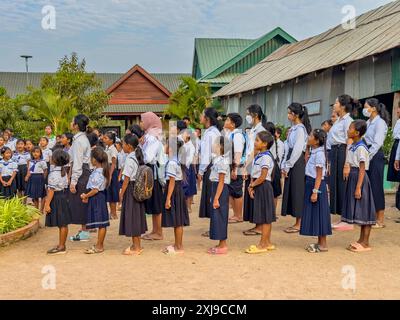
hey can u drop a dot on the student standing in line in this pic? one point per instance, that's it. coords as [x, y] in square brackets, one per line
[393, 174]
[359, 204]
[316, 218]
[8, 173]
[237, 138]
[211, 124]
[22, 158]
[377, 128]
[293, 167]
[257, 120]
[153, 151]
[338, 142]
[36, 177]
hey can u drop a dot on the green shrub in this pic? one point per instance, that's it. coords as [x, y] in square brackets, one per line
[14, 214]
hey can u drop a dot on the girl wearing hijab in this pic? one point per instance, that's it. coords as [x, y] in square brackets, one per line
[153, 152]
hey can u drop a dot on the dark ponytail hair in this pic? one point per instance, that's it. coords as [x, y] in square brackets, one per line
[175, 144]
[133, 140]
[380, 108]
[270, 127]
[136, 130]
[302, 112]
[256, 110]
[212, 115]
[101, 157]
[347, 102]
[60, 159]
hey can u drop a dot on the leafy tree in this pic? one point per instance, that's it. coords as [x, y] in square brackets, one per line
[48, 105]
[72, 80]
[190, 99]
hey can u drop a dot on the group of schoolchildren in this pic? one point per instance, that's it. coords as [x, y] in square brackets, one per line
[336, 169]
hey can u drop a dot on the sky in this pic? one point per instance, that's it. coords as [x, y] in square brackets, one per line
[114, 35]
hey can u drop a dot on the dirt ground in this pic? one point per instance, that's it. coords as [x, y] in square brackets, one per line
[288, 273]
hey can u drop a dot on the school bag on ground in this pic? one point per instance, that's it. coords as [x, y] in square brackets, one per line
[144, 183]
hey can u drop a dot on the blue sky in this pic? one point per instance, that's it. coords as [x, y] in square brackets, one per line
[114, 35]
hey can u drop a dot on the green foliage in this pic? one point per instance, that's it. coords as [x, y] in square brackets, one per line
[284, 131]
[72, 80]
[46, 104]
[14, 214]
[387, 145]
[189, 100]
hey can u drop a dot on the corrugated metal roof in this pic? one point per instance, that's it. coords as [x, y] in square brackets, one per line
[221, 79]
[212, 53]
[126, 109]
[376, 31]
[15, 82]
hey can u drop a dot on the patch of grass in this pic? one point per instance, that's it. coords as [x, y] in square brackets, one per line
[14, 214]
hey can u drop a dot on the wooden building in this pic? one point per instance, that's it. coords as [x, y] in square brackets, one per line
[131, 94]
[363, 62]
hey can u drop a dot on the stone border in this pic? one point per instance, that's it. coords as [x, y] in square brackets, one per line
[20, 234]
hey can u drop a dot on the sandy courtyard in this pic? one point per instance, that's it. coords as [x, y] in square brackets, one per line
[288, 273]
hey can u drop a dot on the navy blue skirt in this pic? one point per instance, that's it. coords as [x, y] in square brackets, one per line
[375, 175]
[236, 188]
[362, 211]
[98, 216]
[20, 178]
[263, 207]
[337, 159]
[190, 184]
[112, 193]
[393, 175]
[154, 205]
[316, 219]
[132, 222]
[10, 191]
[35, 188]
[178, 215]
[219, 217]
[205, 206]
[248, 203]
[60, 215]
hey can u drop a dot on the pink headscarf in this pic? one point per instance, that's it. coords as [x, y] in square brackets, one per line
[152, 124]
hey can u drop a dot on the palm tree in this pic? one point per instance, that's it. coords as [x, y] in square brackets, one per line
[189, 100]
[49, 106]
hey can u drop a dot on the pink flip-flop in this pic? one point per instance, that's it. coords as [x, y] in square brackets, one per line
[170, 250]
[217, 251]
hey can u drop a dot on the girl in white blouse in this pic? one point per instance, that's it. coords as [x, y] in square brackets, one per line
[293, 166]
[261, 192]
[37, 173]
[8, 172]
[57, 209]
[377, 127]
[359, 204]
[109, 139]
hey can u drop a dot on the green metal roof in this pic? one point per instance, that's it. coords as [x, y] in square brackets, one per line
[214, 57]
[135, 108]
[212, 53]
[15, 82]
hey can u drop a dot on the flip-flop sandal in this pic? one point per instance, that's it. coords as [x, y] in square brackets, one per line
[93, 250]
[170, 250]
[129, 252]
[234, 221]
[378, 226]
[217, 251]
[148, 237]
[251, 232]
[357, 247]
[292, 230]
[272, 247]
[315, 248]
[255, 250]
[205, 234]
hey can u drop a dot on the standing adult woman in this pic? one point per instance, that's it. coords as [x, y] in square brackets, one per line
[212, 131]
[294, 166]
[377, 127]
[153, 151]
[338, 142]
[80, 172]
[258, 120]
[393, 175]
